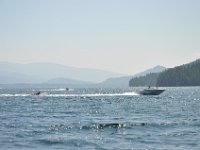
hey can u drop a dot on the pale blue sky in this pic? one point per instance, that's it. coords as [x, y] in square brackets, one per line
[125, 36]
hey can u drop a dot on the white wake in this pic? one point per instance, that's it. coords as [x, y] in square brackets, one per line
[70, 95]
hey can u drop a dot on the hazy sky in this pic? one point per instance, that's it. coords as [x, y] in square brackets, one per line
[125, 36]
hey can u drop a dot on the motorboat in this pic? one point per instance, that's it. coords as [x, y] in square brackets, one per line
[150, 91]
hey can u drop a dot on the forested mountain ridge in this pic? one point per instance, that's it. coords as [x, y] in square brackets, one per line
[184, 75]
[147, 80]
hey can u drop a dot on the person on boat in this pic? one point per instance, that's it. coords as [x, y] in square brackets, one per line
[149, 87]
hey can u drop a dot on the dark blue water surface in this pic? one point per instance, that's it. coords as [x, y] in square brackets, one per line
[102, 119]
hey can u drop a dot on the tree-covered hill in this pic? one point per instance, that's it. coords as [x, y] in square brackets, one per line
[184, 75]
[149, 79]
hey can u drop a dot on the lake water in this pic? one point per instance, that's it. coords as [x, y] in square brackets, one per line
[102, 119]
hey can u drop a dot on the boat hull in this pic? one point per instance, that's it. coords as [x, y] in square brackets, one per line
[150, 92]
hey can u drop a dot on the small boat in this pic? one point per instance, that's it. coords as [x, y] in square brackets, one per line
[150, 91]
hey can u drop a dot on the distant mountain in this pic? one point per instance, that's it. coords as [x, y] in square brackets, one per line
[67, 81]
[115, 82]
[55, 74]
[10, 77]
[11, 73]
[155, 69]
[184, 75]
[124, 81]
